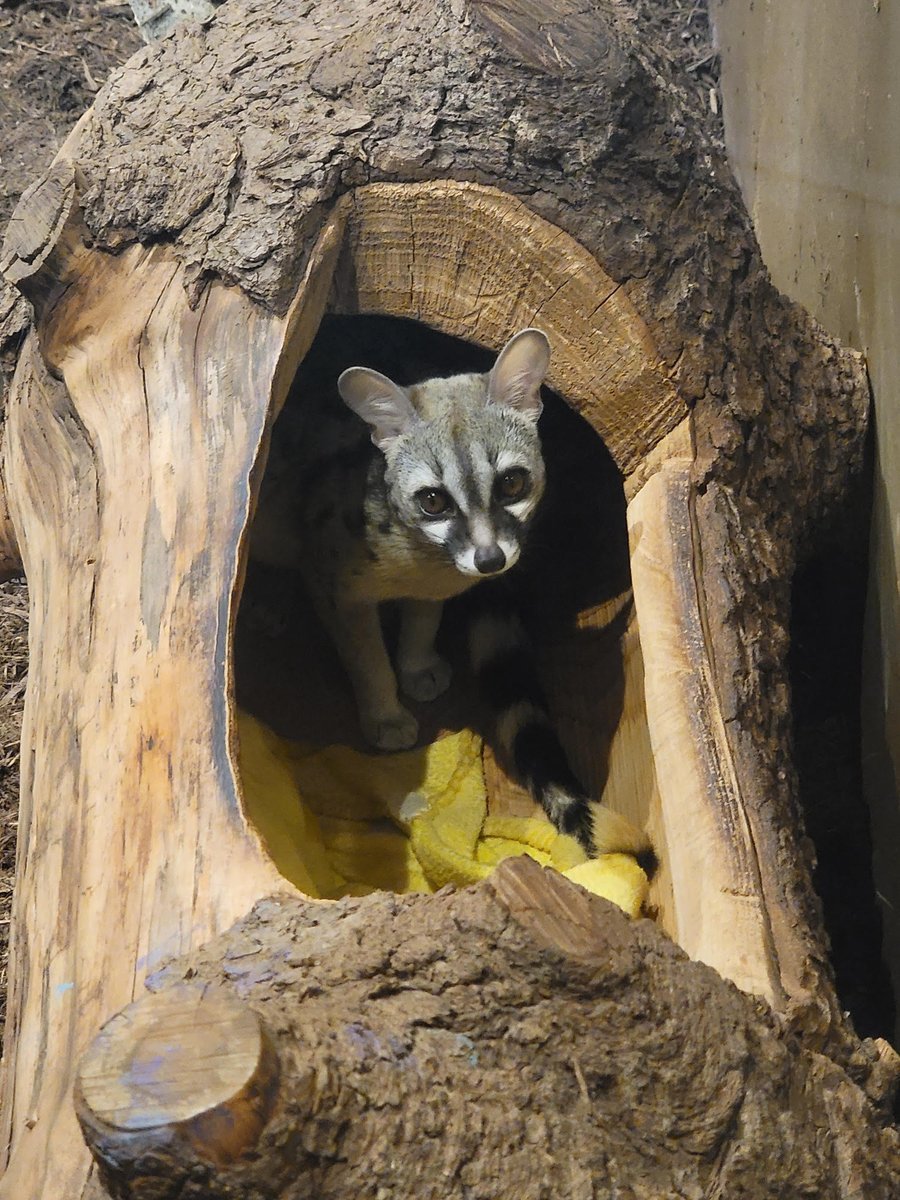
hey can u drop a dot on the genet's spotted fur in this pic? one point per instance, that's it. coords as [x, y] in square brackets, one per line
[421, 494]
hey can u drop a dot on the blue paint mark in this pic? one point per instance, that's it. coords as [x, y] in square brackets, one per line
[466, 1043]
[364, 1041]
[62, 988]
[151, 959]
[143, 1073]
[176, 943]
[402, 1056]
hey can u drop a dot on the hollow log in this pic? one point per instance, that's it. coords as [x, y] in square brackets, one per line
[473, 167]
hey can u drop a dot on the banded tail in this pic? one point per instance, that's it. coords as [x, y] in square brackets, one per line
[504, 667]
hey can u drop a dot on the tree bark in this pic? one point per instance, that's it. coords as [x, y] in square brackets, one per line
[520, 1039]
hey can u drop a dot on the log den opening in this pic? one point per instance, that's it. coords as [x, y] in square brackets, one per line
[572, 589]
[470, 265]
[172, 564]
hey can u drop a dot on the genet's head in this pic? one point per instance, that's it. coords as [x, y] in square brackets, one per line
[464, 463]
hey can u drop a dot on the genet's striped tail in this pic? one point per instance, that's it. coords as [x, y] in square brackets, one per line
[504, 666]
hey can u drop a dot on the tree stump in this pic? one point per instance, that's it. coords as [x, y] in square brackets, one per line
[476, 168]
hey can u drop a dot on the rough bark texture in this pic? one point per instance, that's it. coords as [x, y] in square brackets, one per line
[521, 1039]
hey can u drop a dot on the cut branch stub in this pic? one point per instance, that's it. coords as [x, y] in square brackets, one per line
[187, 1072]
[46, 243]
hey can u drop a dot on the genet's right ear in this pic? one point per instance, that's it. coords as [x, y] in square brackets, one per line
[517, 375]
[384, 406]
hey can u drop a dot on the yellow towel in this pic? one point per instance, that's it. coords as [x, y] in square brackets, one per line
[338, 822]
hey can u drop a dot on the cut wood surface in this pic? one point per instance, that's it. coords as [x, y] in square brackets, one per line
[519, 1039]
[719, 911]
[476, 262]
[192, 1060]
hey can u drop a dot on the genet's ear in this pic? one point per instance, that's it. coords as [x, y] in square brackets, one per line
[519, 371]
[384, 406]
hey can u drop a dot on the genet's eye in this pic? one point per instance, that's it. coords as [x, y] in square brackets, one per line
[512, 485]
[434, 502]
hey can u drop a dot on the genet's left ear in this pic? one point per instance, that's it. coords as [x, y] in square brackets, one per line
[519, 371]
[384, 406]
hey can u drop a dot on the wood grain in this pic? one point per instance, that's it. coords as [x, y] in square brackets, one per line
[190, 1065]
[130, 815]
[476, 263]
[700, 824]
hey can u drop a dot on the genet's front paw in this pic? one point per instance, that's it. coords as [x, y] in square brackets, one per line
[396, 730]
[428, 682]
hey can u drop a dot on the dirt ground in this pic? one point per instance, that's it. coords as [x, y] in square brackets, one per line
[54, 56]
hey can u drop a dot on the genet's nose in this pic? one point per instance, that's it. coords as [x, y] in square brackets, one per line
[489, 559]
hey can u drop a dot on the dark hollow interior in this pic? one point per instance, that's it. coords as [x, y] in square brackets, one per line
[825, 664]
[576, 558]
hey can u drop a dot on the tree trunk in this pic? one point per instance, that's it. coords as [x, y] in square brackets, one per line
[476, 169]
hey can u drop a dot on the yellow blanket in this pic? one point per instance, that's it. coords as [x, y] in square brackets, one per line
[339, 823]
